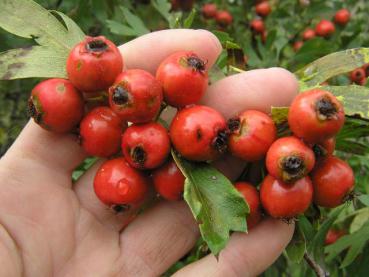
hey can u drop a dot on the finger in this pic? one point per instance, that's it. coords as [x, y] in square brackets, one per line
[157, 239]
[148, 51]
[256, 89]
[246, 254]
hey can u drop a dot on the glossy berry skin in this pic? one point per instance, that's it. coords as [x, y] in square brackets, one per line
[333, 235]
[324, 148]
[315, 115]
[145, 146]
[252, 133]
[209, 10]
[342, 17]
[257, 25]
[56, 105]
[93, 64]
[116, 183]
[251, 195]
[289, 159]
[136, 96]
[169, 181]
[281, 200]
[263, 9]
[325, 28]
[358, 76]
[184, 78]
[100, 132]
[223, 18]
[308, 34]
[297, 45]
[333, 181]
[199, 133]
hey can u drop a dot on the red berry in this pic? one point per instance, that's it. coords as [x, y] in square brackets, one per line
[169, 181]
[297, 45]
[308, 34]
[315, 115]
[358, 76]
[146, 146]
[184, 78]
[252, 133]
[209, 10]
[333, 181]
[281, 200]
[342, 17]
[263, 9]
[257, 25]
[324, 28]
[116, 183]
[101, 131]
[56, 105]
[251, 195]
[333, 235]
[223, 18]
[136, 96]
[199, 133]
[93, 64]
[324, 148]
[289, 159]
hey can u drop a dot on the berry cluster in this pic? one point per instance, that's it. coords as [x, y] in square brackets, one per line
[222, 17]
[123, 119]
[359, 75]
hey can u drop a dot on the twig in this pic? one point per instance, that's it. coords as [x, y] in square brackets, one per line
[319, 271]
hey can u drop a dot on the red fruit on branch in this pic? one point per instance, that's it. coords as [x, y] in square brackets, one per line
[358, 76]
[263, 9]
[136, 96]
[100, 132]
[342, 17]
[333, 235]
[146, 146]
[199, 133]
[289, 159]
[251, 195]
[251, 134]
[333, 181]
[297, 45]
[366, 69]
[308, 34]
[56, 105]
[223, 18]
[286, 201]
[93, 64]
[315, 115]
[209, 10]
[325, 28]
[257, 26]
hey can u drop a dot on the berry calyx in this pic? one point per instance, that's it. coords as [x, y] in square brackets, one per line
[324, 28]
[333, 181]
[342, 17]
[199, 133]
[56, 105]
[289, 159]
[146, 146]
[251, 134]
[93, 64]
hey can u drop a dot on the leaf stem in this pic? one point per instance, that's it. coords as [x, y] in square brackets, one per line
[319, 271]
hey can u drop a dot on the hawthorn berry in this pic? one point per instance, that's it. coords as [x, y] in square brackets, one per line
[93, 64]
[281, 200]
[199, 133]
[184, 78]
[333, 181]
[289, 159]
[342, 17]
[56, 105]
[333, 235]
[358, 76]
[100, 132]
[263, 9]
[308, 34]
[209, 10]
[366, 69]
[136, 96]
[315, 115]
[116, 183]
[297, 45]
[169, 181]
[251, 134]
[145, 146]
[257, 25]
[223, 18]
[324, 148]
[251, 195]
[324, 28]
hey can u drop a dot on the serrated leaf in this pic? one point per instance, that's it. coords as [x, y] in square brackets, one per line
[217, 206]
[332, 65]
[187, 23]
[120, 29]
[135, 22]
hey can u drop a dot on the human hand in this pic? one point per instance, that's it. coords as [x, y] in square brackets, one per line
[49, 227]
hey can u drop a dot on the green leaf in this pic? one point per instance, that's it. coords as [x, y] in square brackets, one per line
[331, 65]
[297, 246]
[83, 167]
[359, 220]
[364, 199]
[187, 23]
[215, 203]
[135, 22]
[75, 34]
[279, 114]
[163, 7]
[120, 29]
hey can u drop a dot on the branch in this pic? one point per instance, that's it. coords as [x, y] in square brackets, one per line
[319, 271]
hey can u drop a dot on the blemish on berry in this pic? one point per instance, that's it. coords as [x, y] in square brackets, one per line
[60, 88]
[198, 134]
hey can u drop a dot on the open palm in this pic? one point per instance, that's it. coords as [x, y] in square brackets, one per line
[49, 227]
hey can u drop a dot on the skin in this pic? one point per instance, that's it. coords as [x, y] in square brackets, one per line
[51, 228]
